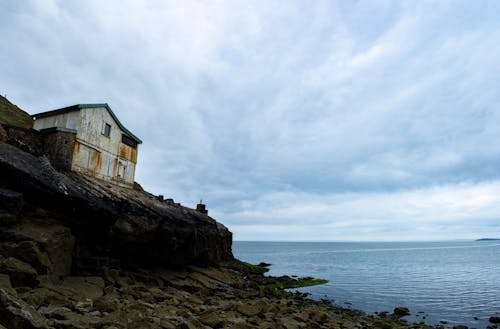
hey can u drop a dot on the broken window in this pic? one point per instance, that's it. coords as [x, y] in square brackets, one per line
[106, 130]
[129, 141]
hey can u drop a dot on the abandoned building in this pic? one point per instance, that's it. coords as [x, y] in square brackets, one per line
[89, 138]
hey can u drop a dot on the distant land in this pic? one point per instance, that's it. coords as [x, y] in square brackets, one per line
[487, 239]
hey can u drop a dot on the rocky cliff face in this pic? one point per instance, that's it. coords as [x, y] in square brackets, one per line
[41, 205]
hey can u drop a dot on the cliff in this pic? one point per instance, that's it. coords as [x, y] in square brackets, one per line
[108, 220]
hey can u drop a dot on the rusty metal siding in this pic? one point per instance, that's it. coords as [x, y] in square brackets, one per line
[68, 120]
[101, 156]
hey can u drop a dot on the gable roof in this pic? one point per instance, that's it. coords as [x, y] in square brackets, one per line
[78, 107]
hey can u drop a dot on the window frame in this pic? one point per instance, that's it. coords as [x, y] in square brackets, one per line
[106, 130]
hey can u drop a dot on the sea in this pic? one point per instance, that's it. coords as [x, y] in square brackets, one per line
[451, 282]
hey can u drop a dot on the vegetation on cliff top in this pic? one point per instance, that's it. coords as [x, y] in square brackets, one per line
[13, 115]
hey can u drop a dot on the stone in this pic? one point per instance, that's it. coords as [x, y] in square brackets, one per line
[401, 311]
[89, 286]
[460, 327]
[249, 309]
[107, 303]
[16, 314]
[28, 252]
[3, 135]
[11, 201]
[211, 319]
[5, 284]
[289, 323]
[494, 319]
[84, 306]
[58, 312]
[21, 274]
[56, 240]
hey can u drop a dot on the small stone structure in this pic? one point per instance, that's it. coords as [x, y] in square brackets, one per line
[201, 208]
[89, 138]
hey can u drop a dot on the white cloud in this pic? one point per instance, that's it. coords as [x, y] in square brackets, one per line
[338, 106]
[427, 213]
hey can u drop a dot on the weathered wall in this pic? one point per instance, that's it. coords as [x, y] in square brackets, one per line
[59, 146]
[99, 155]
[68, 120]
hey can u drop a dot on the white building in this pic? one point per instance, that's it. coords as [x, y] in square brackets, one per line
[89, 138]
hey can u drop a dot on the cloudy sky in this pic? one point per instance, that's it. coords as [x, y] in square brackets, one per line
[292, 120]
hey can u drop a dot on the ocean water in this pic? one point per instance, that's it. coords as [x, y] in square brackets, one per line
[438, 281]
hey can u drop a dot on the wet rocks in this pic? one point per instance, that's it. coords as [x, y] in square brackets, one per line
[494, 319]
[15, 313]
[20, 273]
[401, 311]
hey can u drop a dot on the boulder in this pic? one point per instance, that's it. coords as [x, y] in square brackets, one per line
[16, 314]
[56, 241]
[28, 252]
[401, 311]
[494, 319]
[11, 201]
[20, 273]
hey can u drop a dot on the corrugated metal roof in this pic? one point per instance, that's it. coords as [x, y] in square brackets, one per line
[78, 107]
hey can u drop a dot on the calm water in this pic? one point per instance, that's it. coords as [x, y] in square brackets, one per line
[449, 281]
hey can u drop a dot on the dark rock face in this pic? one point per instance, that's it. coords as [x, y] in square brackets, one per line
[105, 220]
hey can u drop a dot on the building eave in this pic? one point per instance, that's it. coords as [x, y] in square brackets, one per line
[79, 107]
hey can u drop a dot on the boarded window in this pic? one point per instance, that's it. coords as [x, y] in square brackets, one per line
[129, 141]
[106, 129]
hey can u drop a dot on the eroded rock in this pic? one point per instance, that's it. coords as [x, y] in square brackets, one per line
[16, 314]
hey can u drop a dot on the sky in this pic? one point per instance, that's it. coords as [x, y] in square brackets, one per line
[292, 120]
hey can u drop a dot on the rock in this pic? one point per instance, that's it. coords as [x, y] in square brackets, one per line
[107, 303]
[55, 240]
[460, 327]
[3, 135]
[113, 221]
[84, 306]
[494, 319]
[401, 311]
[20, 273]
[89, 286]
[11, 203]
[16, 314]
[28, 252]
[58, 312]
[211, 319]
[6, 285]
[191, 324]
[289, 323]
[249, 309]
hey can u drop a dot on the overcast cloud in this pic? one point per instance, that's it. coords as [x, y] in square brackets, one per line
[293, 120]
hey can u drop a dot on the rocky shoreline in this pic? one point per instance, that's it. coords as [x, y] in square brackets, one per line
[230, 295]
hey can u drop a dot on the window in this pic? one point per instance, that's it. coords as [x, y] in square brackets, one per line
[129, 141]
[106, 129]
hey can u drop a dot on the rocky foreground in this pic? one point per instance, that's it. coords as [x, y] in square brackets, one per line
[231, 295]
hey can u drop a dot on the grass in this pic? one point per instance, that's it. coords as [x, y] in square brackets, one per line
[258, 269]
[307, 282]
[13, 115]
